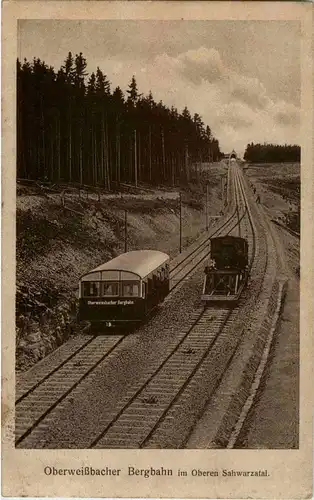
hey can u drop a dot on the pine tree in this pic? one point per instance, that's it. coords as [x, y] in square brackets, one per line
[69, 72]
[118, 106]
[103, 103]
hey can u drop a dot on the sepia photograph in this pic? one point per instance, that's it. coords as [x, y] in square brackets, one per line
[157, 254]
[158, 231]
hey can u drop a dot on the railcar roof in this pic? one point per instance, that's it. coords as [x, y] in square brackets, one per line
[140, 262]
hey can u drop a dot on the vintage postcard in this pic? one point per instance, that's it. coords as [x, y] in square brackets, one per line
[157, 229]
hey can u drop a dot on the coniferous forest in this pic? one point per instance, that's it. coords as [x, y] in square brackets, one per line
[272, 153]
[73, 128]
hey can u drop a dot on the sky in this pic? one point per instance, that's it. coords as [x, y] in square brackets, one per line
[242, 77]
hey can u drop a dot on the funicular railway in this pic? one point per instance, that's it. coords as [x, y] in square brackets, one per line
[168, 375]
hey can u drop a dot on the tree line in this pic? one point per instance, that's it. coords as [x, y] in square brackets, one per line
[72, 127]
[272, 153]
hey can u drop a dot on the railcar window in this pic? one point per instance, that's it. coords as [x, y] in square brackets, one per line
[155, 280]
[110, 289]
[130, 289]
[91, 289]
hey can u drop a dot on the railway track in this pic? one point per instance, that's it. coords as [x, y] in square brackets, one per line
[44, 369]
[158, 394]
[142, 412]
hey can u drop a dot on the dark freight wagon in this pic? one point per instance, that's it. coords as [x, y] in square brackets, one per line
[227, 273]
[125, 289]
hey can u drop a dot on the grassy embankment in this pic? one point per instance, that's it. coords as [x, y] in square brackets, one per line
[279, 188]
